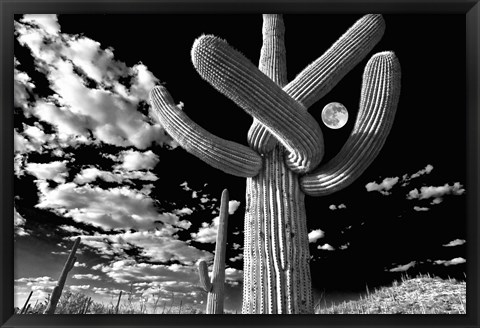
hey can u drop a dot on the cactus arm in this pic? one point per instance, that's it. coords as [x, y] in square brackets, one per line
[237, 78]
[378, 103]
[273, 63]
[204, 278]
[228, 156]
[318, 78]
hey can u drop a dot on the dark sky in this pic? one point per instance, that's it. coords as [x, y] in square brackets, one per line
[369, 233]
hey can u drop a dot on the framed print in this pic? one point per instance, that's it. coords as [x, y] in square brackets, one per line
[276, 158]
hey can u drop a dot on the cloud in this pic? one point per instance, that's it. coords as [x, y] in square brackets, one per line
[315, 235]
[437, 193]
[114, 208]
[421, 209]
[22, 87]
[426, 170]
[406, 179]
[19, 224]
[335, 207]
[185, 186]
[456, 242]
[80, 265]
[107, 291]
[134, 160]
[326, 247]
[183, 211]
[207, 233]
[77, 288]
[40, 285]
[233, 206]
[71, 229]
[388, 183]
[237, 258]
[383, 187]
[158, 246]
[88, 95]
[48, 23]
[90, 174]
[87, 276]
[56, 171]
[455, 261]
[401, 268]
[129, 271]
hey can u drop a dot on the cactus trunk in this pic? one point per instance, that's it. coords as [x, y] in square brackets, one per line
[276, 254]
[57, 290]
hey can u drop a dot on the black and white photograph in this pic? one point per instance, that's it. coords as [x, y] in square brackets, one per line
[283, 163]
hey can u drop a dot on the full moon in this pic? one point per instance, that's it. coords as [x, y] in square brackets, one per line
[334, 115]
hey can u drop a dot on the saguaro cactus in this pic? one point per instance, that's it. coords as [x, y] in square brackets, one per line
[57, 290]
[215, 287]
[286, 146]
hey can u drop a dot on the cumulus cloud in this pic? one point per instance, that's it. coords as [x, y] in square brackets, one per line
[402, 268]
[84, 77]
[233, 206]
[48, 23]
[455, 261]
[129, 271]
[383, 187]
[158, 246]
[19, 224]
[71, 229]
[335, 207]
[185, 186]
[183, 211]
[420, 209]
[406, 179]
[426, 170]
[133, 160]
[56, 171]
[90, 174]
[40, 285]
[315, 235]
[437, 193]
[80, 265]
[326, 247]
[237, 258]
[114, 208]
[22, 87]
[87, 276]
[207, 233]
[456, 242]
[77, 288]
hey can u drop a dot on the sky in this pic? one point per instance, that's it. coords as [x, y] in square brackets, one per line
[90, 161]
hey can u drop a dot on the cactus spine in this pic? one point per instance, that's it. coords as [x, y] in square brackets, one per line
[57, 290]
[289, 144]
[215, 287]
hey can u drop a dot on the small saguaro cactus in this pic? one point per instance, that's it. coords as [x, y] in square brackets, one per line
[215, 287]
[286, 146]
[57, 290]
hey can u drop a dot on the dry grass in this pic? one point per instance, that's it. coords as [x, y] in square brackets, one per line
[420, 295]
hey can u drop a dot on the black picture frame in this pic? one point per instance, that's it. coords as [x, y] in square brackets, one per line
[471, 10]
